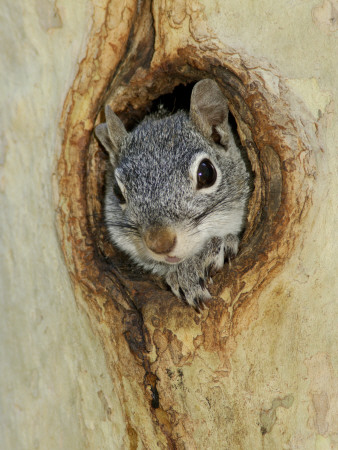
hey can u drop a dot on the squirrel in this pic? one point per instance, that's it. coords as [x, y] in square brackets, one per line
[177, 189]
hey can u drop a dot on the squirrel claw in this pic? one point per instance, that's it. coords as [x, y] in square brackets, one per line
[201, 282]
[198, 305]
[182, 294]
[196, 308]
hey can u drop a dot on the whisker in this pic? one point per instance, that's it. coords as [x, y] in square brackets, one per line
[219, 205]
[127, 227]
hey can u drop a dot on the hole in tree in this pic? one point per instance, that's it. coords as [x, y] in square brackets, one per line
[178, 99]
[267, 128]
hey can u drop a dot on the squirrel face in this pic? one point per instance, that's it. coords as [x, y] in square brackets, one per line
[175, 181]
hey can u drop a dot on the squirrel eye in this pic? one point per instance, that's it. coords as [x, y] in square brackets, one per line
[118, 194]
[206, 174]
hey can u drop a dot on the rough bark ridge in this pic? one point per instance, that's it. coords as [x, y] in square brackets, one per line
[171, 365]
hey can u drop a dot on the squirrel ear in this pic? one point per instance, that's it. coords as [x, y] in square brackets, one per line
[111, 134]
[209, 111]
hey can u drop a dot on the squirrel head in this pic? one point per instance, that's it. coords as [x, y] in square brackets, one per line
[175, 181]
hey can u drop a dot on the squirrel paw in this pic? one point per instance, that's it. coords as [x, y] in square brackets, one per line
[218, 250]
[188, 283]
[231, 243]
[190, 279]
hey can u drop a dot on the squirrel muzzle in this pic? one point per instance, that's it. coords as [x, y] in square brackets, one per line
[160, 240]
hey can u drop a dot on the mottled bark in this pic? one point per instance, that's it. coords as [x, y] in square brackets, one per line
[127, 365]
[169, 361]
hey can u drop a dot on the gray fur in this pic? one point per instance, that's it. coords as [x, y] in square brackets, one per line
[153, 167]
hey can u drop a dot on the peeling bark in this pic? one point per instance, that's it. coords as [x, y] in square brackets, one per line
[168, 361]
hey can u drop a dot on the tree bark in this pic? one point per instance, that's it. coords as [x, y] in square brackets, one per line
[257, 368]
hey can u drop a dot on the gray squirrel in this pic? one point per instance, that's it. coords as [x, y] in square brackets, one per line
[177, 191]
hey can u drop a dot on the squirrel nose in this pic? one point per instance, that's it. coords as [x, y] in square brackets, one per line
[160, 239]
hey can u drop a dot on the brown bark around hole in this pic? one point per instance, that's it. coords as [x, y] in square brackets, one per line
[164, 336]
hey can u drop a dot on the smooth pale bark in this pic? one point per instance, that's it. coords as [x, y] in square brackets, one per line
[258, 369]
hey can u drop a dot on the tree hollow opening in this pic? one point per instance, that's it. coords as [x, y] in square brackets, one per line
[132, 104]
[268, 131]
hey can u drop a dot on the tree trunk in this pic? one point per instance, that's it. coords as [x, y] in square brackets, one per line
[112, 360]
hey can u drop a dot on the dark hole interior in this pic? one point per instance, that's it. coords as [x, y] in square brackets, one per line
[176, 100]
